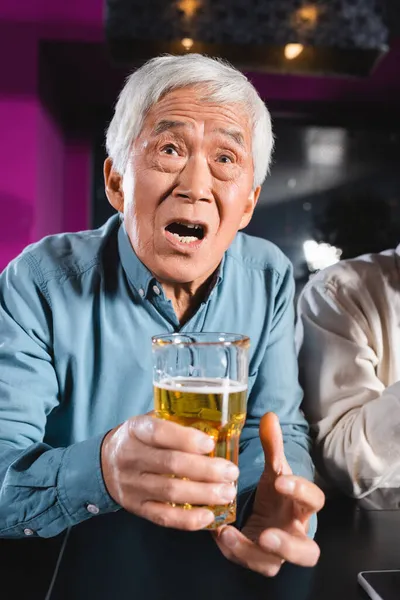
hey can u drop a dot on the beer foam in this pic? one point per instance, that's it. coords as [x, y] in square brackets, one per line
[201, 385]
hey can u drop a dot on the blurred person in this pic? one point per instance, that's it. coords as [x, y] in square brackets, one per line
[348, 335]
[188, 149]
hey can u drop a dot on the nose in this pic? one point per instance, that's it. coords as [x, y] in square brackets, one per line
[195, 181]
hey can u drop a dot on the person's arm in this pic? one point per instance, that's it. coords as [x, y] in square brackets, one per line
[357, 420]
[276, 389]
[43, 490]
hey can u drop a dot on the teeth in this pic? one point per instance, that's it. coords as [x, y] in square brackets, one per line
[187, 239]
[190, 225]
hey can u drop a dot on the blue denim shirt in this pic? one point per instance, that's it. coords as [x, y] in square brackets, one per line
[77, 312]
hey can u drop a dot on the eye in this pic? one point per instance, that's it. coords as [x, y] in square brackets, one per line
[225, 159]
[169, 150]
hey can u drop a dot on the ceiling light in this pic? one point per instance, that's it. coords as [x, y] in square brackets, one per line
[189, 7]
[187, 43]
[293, 50]
[308, 15]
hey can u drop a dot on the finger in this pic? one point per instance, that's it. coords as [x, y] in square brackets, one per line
[272, 442]
[196, 468]
[237, 548]
[305, 493]
[299, 550]
[176, 517]
[179, 491]
[166, 434]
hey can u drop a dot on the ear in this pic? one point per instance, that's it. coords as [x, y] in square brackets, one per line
[249, 208]
[113, 186]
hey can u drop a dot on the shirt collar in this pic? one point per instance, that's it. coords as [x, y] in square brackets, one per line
[139, 275]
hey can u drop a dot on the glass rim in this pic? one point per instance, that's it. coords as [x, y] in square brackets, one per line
[167, 339]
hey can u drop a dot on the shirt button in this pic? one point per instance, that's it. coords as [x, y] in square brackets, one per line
[28, 531]
[156, 290]
[93, 509]
[141, 292]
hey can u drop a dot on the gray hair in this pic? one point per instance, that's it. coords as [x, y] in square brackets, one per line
[160, 75]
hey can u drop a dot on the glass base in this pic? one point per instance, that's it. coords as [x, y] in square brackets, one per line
[224, 515]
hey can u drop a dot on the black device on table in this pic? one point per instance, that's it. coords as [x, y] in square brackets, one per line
[381, 585]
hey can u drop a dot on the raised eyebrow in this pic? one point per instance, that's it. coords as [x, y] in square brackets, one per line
[234, 134]
[166, 125]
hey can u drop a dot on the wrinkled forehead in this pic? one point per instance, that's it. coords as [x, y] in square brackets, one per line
[193, 105]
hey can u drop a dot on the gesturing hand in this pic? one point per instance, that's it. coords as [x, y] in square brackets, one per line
[277, 529]
[144, 463]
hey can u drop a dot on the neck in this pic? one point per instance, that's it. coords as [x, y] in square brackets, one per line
[186, 297]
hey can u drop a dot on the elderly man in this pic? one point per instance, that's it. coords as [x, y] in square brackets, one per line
[189, 147]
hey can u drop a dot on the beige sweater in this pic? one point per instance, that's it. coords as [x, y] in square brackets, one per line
[348, 336]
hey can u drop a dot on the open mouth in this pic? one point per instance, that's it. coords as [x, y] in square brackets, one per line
[186, 232]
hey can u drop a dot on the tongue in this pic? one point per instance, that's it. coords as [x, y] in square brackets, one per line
[183, 231]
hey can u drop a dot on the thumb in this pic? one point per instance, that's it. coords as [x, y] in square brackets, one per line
[272, 442]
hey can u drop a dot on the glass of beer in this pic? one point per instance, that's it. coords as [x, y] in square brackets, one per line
[200, 381]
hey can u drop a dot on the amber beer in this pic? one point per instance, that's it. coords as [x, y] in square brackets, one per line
[215, 406]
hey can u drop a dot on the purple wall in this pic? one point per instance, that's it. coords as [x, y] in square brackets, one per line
[77, 185]
[45, 183]
[89, 12]
[50, 176]
[18, 159]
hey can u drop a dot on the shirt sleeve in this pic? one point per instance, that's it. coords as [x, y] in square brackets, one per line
[43, 490]
[276, 388]
[356, 420]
